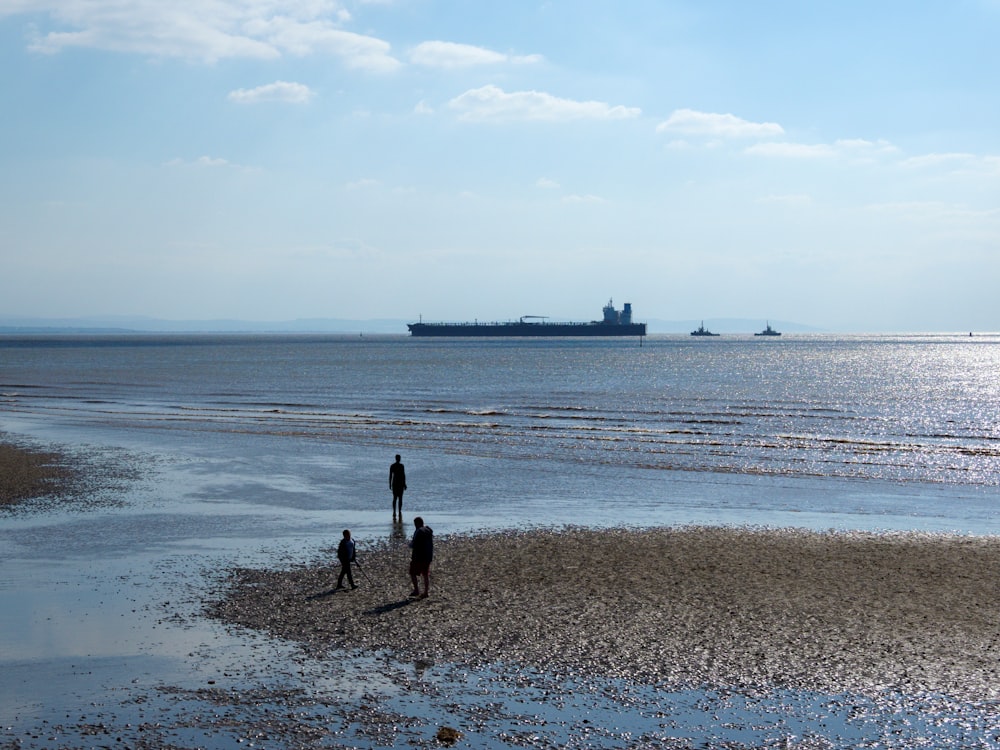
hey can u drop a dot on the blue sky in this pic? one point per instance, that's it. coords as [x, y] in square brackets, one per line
[836, 164]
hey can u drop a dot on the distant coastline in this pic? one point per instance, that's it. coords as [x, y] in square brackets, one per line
[111, 326]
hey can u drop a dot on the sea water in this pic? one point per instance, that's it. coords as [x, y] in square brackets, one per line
[249, 449]
[821, 431]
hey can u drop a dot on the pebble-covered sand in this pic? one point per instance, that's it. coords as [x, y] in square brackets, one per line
[28, 472]
[853, 612]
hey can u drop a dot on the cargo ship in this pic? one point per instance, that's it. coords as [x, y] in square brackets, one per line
[614, 323]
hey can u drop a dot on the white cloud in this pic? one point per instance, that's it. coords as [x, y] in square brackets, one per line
[939, 160]
[211, 161]
[546, 184]
[450, 56]
[279, 91]
[423, 108]
[692, 122]
[303, 38]
[860, 146]
[855, 149]
[205, 30]
[493, 103]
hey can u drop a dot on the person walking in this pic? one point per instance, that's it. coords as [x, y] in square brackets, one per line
[422, 545]
[397, 483]
[346, 555]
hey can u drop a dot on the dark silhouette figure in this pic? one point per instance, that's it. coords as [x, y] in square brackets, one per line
[397, 483]
[346, 555]
[422, 545]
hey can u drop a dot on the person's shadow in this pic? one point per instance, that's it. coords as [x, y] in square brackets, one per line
[374, 612]
[390, 607]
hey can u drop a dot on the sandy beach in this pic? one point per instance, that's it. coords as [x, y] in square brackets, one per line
[857, 612]
[546, 637]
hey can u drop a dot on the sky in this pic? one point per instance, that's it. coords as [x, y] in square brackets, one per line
[836, 164]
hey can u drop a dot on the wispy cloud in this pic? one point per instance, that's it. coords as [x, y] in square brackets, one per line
[279, 91]
[493, 103]
[205, 30]
[713, 125]
[857, 149]
[450, 55]
[546, 184]
[938, 160]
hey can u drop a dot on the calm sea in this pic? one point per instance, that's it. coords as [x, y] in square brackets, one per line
[861, 431]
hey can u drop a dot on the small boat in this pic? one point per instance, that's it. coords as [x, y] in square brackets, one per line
[702, 331]
[768, 331]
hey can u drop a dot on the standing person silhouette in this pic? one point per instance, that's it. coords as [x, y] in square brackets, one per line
[422, 545]
[346, 555]
[397, 483]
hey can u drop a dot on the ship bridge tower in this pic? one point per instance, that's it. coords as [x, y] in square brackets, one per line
[610, 314]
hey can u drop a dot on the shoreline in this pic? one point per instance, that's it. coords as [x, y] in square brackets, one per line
[832, 612]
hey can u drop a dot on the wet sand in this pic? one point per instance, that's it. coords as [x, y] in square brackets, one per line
[34, 477]
[27, 473]
[833, 612]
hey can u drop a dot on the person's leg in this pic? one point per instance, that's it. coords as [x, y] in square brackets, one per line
[427, 582]
[413, 578]
[350, 576]
[340, 578]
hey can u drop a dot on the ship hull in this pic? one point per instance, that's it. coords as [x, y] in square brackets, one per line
[526, 329]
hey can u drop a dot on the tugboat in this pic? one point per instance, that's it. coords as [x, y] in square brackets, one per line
[702, 331]
[768, 331]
